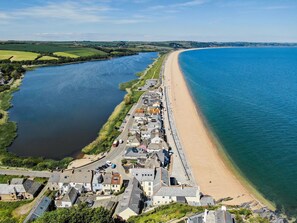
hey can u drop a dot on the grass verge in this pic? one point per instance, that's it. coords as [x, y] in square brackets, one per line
[6, 211]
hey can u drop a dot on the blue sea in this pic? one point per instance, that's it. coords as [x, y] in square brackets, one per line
[249, 99]
[60, 109]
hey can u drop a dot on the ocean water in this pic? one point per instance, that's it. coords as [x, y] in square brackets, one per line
[249, 99]
[61, 109]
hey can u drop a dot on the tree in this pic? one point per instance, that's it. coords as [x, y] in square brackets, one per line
[79, 214]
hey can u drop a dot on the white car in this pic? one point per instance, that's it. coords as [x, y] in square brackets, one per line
[109, 163]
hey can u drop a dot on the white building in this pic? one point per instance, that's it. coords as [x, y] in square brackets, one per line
[97, 182]
[81, 180]
[68, 199]
[146, 178]
[181, 194]
[112, 182]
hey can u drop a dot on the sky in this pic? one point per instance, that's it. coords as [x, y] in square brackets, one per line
[149, 20]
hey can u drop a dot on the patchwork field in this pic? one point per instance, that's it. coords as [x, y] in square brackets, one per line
[65, 54]
[80, 52]
[48, 58]
[17, 55]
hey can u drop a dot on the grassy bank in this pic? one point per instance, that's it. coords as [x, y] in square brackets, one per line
[166, 213]
[109, 132]
[6, 211]
[176, 211]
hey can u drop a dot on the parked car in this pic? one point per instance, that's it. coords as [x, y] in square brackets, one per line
[115, 143]
[113, 166]
[109, 163]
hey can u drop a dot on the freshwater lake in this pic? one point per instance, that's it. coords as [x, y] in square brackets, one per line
[60, 109]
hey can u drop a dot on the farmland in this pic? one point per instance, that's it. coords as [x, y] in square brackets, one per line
[48, 58]
[17, 55]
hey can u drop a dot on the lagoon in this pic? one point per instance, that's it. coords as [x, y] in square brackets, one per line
[60, 109]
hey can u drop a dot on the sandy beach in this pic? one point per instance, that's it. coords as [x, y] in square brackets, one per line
[211, 173]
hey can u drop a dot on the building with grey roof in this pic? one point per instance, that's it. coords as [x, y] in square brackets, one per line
[131, 203]
[135, 153]
[183, 194]
[215, 216]
[42, 207]
[146, 178]
[68, 199]
[19, 188]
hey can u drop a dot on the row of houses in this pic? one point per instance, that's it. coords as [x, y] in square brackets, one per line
[151, 184]
[19, 189]
[71, 184]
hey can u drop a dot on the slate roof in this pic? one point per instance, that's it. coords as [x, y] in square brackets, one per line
[42, 207]
[70, 196]
[17, 181]
[32, 187]
[177, 191]
[11, 189]
[132, 197]
[161, 179]
[143, 174]
[20, 185]
[223, 216]
[107, 177]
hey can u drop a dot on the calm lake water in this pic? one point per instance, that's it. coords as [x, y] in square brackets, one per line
[61, 109]
[249, 99]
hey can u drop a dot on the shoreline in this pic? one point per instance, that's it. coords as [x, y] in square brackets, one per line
[213, 169]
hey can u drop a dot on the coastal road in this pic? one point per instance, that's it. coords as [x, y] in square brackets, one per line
[27, 173]
[116, 154]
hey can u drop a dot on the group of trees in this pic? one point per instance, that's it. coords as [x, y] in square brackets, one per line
[79, 214]
[35, 163]
[9, 71]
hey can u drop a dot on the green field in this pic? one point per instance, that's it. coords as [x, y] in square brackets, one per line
[48, 58]
[80, 52]
[64, 54]
[17, 55]
[6, 211]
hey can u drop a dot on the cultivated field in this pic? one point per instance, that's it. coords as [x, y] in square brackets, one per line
[17, 55]
[47, 58]
[80, 52]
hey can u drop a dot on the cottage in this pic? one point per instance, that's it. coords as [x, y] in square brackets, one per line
[131, 203]
[111, 183]
[97, 182]
[216, 216]
[68, 199]
[135, 153]
[81, 180]
[19, 188]
[183, 194]
[134, 140]
[156, 140]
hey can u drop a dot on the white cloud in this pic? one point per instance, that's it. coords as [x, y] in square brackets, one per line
[177, 6]
[64, 11]
[4, 17]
